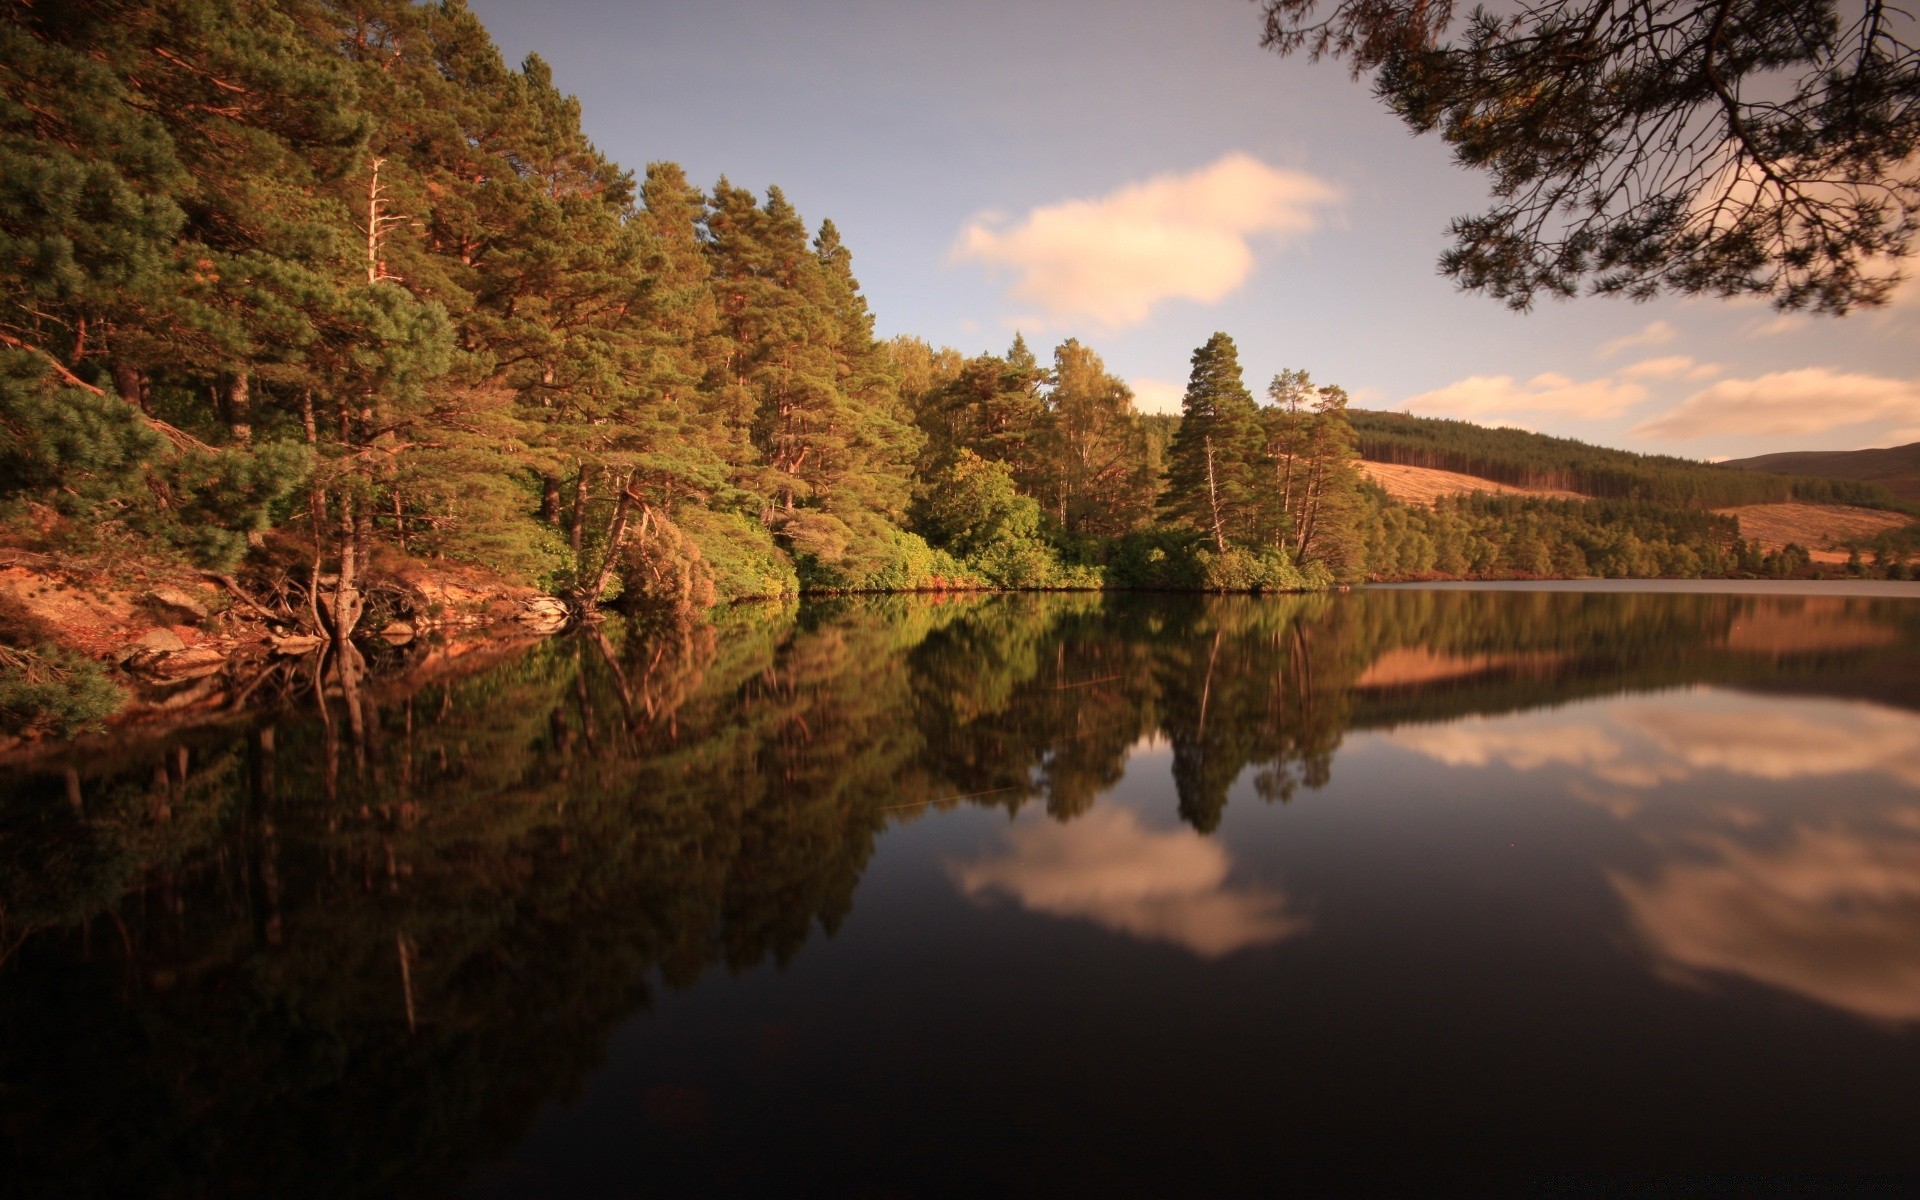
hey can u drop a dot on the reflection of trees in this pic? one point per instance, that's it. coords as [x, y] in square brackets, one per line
[433, 901]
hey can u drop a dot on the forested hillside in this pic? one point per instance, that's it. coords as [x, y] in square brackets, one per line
[1896, 468]
[1535, 460]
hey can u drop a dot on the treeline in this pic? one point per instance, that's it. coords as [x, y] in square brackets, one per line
[335, 271]
[324, 285]
[1051, 478]
[318, 287]
[1489, 537]
[1536, 460]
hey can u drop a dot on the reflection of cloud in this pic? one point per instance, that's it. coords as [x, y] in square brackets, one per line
[1524, 745]
[1817, 738]
[1173, 236]
[1168, 886]
[1833, 915]
[1642, 742]
[1828, 911]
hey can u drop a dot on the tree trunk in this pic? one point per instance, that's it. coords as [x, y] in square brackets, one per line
[577, 531]
[587, 599]
[1213, 501]
[130, 383]
[346, 603]
[550, 499]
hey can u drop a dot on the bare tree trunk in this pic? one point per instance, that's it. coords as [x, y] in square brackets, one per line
[1309, 512]
[1213, 501]
[346, 589]
[316, 510]
[616, 538]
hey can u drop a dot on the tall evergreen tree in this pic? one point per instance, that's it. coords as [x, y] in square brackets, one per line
[1214, 480]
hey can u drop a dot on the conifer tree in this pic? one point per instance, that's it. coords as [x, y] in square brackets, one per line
[1214, 483]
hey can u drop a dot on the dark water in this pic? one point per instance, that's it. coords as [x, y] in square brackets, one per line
[1007, 896]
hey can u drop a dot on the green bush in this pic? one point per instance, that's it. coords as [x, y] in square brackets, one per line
[46, 689]
[745, 562]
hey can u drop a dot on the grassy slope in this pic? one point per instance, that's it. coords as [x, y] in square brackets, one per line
[1536, 461]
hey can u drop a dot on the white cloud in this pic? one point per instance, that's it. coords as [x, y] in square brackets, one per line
[1899, 437]
[1783, 324]
[1811, 400]
[1112, 258]
[1672, 366]
[1484, 395]
[1156, 395]
[1160, 885]
[1656, 333]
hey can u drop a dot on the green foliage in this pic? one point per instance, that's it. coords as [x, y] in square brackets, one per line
[53, 690]
[210, 502]
[1493, 537]
[44, 688]
[342, 272]
[1771, 146]
[1215, 470]
[745, 561]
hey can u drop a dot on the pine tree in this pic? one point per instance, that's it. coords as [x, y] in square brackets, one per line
[1214, 481]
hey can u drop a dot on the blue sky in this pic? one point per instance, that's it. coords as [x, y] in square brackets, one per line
[1141, 174]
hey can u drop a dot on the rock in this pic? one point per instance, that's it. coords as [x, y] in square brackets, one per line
[544, 614]
[295, 645]
[399, 633]
[191, 663]
[183, 608]
[159, 641]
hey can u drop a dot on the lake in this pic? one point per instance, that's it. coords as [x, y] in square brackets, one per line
[997, 895]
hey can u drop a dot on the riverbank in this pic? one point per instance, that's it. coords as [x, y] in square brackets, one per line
[89, 641]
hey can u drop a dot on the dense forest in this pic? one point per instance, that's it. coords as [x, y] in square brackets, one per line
[308, 290]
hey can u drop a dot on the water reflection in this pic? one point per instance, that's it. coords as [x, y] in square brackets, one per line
[436, 896]
[1647, 742]
[1167, 885]
[1828, 913]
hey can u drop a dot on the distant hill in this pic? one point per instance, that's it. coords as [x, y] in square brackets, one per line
[1535, 461]
[1897, 468]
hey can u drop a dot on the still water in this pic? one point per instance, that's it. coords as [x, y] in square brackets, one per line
[998, 896]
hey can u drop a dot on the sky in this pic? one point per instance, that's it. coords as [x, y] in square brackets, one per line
[1139, 174]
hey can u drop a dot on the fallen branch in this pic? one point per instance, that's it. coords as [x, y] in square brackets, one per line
[241, 595]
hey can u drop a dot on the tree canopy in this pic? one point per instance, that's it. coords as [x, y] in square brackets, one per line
[1635, 147]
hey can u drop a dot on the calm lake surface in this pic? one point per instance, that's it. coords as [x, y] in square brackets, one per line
[1123, 895]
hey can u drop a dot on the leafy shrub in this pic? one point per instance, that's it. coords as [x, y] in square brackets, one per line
[745, 562]
[44, 688]
[95, 461]
[662, 568]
